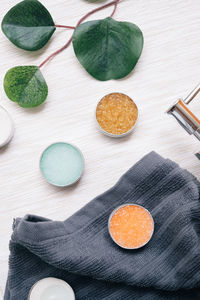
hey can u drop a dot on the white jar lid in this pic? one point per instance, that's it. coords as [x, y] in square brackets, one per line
[6, 127]
[51, 289]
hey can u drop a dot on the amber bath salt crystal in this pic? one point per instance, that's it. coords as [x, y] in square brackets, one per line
[131, 226]
[116, 114]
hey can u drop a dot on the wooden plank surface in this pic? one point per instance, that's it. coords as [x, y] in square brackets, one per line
[168, 69]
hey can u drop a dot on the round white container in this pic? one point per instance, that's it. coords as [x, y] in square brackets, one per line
[6, 127]
[51, 289]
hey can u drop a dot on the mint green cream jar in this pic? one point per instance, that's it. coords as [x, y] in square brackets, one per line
[62, 164]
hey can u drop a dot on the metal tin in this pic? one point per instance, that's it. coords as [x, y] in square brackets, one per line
[64, 283]
[82, 168]
[115, 210]
[11, 131]
[116, 135]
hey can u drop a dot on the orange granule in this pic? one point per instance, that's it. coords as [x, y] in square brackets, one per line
[116, 113]
[131, 226]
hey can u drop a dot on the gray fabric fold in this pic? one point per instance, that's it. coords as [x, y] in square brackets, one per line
[80, 251]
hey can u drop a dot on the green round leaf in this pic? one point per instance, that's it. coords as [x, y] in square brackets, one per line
[108, 49]
[26, 86]
[28, 25]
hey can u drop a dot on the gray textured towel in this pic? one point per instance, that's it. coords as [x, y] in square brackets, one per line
[81, 252]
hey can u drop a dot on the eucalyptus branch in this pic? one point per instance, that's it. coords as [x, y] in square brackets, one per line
[101, 52]
[115, 3]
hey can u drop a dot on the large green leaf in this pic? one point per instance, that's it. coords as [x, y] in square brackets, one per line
[28, 25]
[26, 86]
[108, 49]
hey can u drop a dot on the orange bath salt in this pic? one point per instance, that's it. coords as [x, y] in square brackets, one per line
[131, 226]
[116, 113]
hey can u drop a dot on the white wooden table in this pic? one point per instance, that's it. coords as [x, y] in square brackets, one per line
[168, 69]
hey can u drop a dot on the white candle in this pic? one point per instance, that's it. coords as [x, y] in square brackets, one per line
[6, 127]
[51, 289]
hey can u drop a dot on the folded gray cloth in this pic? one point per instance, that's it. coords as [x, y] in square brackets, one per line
[81, 252]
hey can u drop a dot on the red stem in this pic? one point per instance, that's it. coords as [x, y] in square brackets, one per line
[115, 7]
[115, 3]
[65, 26]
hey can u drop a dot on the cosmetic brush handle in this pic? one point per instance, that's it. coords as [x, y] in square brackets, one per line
[191, 96]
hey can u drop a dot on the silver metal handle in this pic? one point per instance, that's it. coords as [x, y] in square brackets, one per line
[193, 94]
[184, 116]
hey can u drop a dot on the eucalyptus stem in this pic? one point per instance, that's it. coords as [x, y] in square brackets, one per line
[115, 8]
[115, 3]
[65, 26]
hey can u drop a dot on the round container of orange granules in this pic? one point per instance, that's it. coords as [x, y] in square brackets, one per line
[131, 226]
[116, 114]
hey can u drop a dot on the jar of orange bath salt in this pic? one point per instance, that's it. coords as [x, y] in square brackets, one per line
[131, 226]
[116, 114]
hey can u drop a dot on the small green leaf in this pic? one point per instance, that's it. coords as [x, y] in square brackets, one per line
[26, 86]
[28, 25]
[108, 49]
